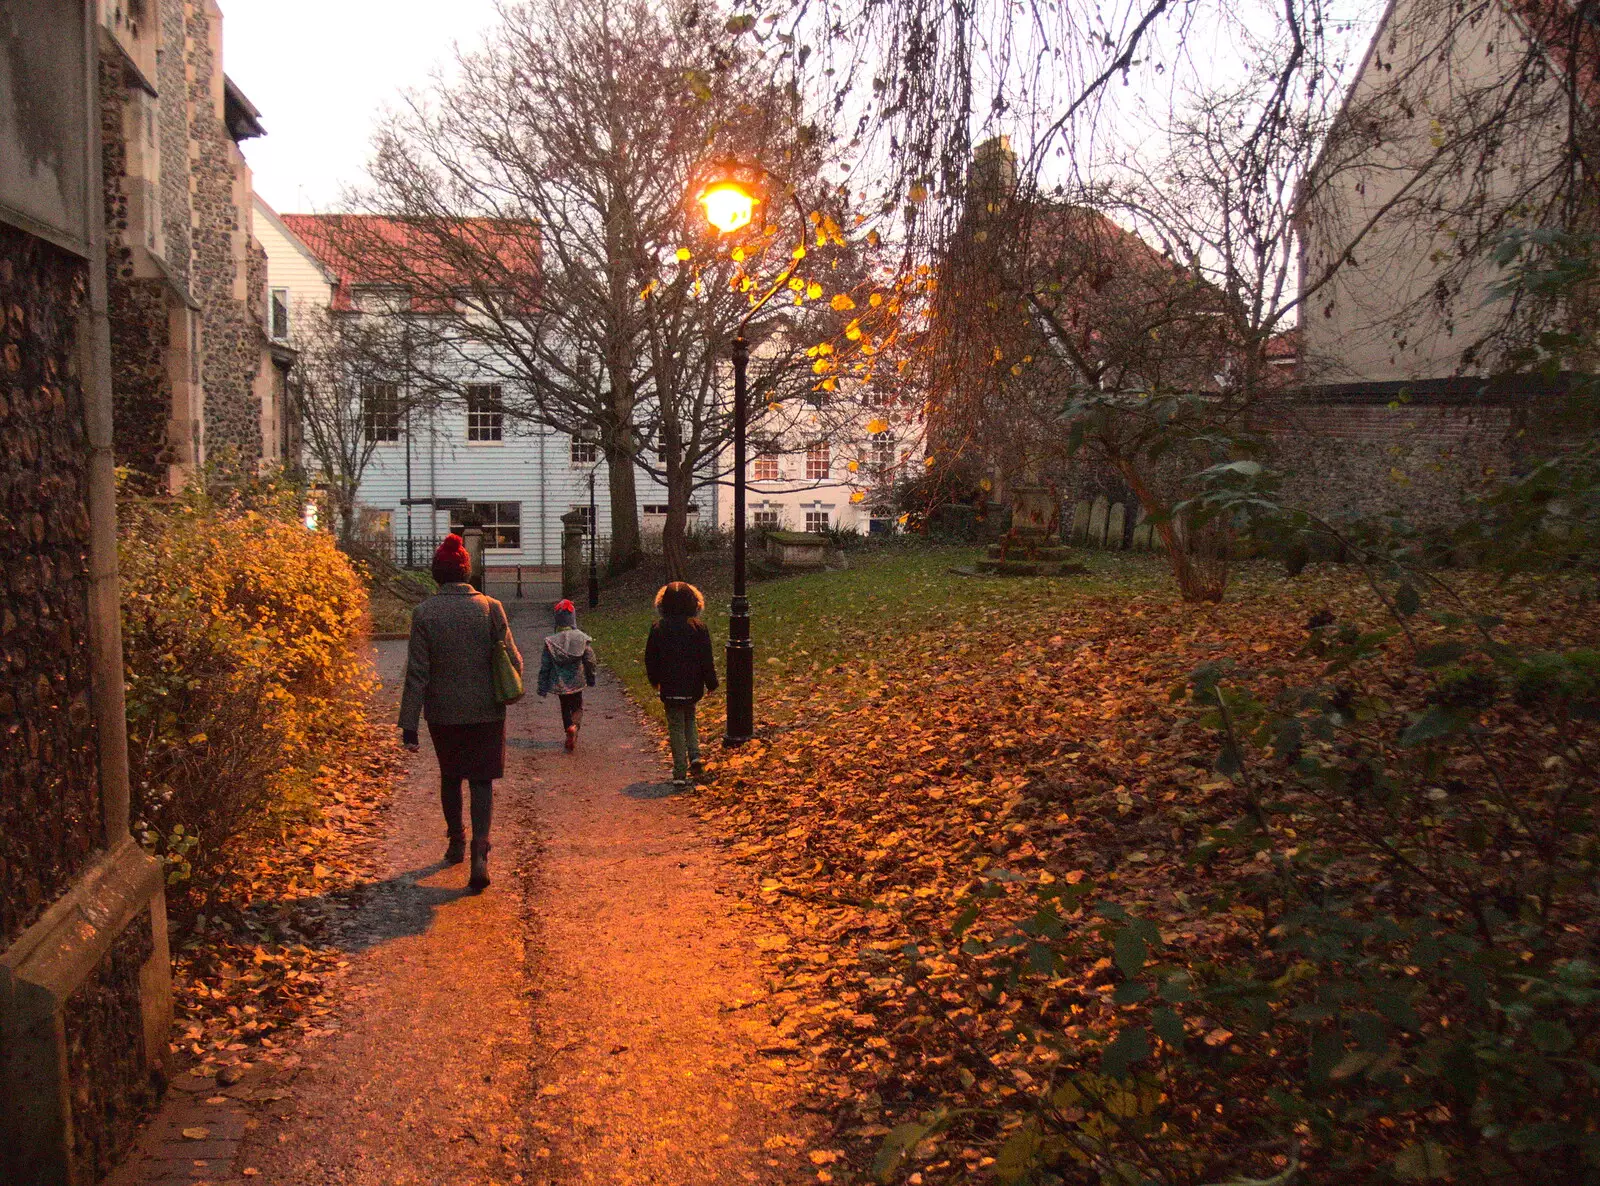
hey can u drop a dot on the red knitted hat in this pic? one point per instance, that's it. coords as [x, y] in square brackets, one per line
[451, 562]
[563, 605]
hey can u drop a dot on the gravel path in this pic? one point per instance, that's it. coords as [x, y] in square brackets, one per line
[596, 1016]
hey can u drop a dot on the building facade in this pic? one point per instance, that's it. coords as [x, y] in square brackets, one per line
[195, 375]
[439, 463]
[85, 981]
[1452, 132]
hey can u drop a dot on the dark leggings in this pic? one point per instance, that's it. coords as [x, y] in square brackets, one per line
[571, 702]
[482, 806]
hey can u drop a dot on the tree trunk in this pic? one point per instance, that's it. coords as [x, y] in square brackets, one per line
[347, 519]
[1199, 565]
[675, 534]
[624, 511]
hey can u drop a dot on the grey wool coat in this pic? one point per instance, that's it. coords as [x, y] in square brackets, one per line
[449, 677]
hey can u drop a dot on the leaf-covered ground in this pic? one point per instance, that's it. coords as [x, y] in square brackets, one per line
[920, 732]
[255, 956]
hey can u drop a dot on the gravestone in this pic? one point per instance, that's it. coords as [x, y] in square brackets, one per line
[1142, 533]
[1116, 527]
[798, 549]
[1097, 523]
[1035, 514]
[1080, 522]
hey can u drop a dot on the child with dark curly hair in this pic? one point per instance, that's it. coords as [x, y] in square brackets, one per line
[679, 664]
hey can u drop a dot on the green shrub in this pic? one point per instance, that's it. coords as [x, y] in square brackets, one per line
[244, 649]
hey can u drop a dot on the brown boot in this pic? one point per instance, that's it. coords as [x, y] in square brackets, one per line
[456, 851]
[480, 865]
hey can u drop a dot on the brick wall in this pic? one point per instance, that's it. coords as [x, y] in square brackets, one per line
[49, 792]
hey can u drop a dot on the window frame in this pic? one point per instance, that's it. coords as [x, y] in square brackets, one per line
[486, 420]
[824, 514]
[768, 517]
[882, 449]
[381, 426]
[275, 306]
[578, 444]
[496, 524]
[819, 455]
[764, 461]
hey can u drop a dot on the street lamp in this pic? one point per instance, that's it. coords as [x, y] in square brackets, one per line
[594, 576]
[729, 196]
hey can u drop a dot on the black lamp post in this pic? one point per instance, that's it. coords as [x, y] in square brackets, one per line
[594, 576]
[729, 200]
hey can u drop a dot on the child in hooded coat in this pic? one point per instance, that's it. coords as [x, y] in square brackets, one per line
[566, 667]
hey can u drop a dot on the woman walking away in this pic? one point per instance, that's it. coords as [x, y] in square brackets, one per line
[450, 681]
[677, 658]
[566, 667]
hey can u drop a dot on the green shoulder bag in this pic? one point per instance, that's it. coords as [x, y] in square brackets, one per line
[507, 679]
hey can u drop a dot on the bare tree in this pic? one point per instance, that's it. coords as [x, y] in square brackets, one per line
[544, 189]
[345, 389]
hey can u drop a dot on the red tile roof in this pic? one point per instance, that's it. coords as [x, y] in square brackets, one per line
[432, 260]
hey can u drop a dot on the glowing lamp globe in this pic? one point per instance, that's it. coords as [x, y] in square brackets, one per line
[728, 206]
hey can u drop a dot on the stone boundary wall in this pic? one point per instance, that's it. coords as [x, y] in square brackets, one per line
[1421, 449]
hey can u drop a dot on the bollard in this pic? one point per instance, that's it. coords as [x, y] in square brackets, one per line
[519, 582]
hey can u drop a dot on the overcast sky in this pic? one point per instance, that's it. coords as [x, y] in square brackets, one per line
[321, 71]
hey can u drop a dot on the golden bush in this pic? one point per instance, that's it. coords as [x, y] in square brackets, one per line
[244, 647]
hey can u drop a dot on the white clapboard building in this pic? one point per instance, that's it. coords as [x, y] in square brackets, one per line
[431, 469]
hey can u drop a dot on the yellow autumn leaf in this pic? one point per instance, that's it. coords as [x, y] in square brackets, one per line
[875, 299]
[813, 291]
[737, 255]
[685, 253]
[797, 284]
[829, 385]
[842, 301]
[858, 496]
[852, 466]
[877, 425]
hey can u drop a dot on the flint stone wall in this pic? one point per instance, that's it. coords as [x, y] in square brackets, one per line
[221, 282]
[140, 336]
[49, 781]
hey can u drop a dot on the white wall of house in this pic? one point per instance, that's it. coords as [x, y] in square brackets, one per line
[806, 488]
[531, 477]
[292, 271]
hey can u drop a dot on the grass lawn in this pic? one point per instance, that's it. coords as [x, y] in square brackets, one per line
[804, 624]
